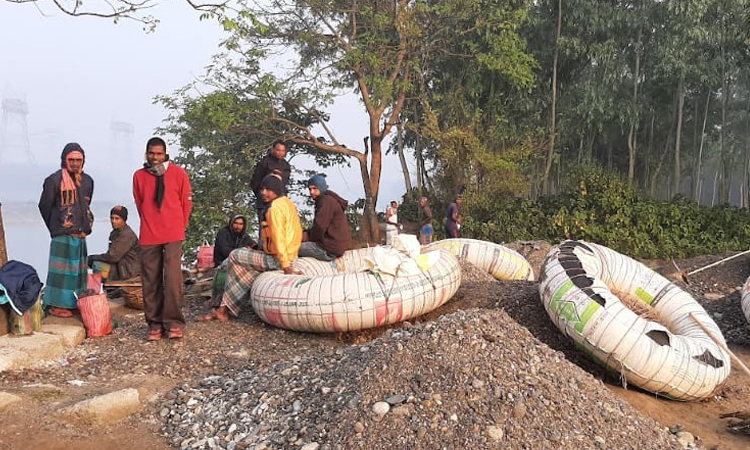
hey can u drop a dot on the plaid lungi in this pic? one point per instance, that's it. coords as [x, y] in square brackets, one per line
[67, 272]
[244, 265]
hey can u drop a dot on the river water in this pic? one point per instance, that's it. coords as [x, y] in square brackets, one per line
[27, 239]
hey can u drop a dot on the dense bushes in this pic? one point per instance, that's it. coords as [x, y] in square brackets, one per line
[601, 208]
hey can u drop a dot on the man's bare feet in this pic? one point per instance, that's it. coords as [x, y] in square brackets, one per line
[220, 314]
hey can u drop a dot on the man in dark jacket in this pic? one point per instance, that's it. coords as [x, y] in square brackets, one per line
[64, 206]
[272, 163]
[329, 237]
[231, 237]
[123, 254]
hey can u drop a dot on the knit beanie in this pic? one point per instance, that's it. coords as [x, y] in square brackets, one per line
[120, 211]
[273, 183]
[319, 181]
[70, 148]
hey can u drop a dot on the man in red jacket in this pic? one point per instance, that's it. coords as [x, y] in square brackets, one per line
[163, 197]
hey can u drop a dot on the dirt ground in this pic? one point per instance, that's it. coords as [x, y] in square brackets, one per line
[124, 359]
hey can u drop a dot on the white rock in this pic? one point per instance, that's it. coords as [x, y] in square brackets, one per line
[495, 433]
[107, 408]
[685, 438]
[7, 398]
[381, 408]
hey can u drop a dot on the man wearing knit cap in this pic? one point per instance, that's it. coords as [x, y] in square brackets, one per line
[64, 206]
[123, 254]
[164, 199]
[281, 233]
[329, 236]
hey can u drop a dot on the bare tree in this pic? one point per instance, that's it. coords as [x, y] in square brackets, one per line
[116, 10]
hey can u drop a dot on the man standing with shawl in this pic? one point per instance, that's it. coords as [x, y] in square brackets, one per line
[163, 197]
[65, 208]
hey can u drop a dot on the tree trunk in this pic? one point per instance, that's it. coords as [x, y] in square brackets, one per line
[3, 248]
[724, 155]
[632, 132]
[551, 148]
[678, 134]
[402, 160]
[370, 231]
[747, 154]
[698, 166]
[655, 173]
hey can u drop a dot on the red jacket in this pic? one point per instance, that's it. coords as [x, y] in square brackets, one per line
[168, 223]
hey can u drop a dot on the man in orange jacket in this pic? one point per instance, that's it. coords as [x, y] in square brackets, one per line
[281, 233]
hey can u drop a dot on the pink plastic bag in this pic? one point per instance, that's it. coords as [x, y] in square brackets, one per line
[96, 315]
[205, 257]
[94, 282]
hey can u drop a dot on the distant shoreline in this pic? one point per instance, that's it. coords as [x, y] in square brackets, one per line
[27, 212]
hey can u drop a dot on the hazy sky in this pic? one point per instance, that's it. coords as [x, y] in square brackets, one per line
[78, 76]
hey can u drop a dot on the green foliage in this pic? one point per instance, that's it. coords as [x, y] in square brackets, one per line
[600, 207]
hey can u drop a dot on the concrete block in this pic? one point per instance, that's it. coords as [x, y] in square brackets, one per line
[6, 398]
[12, 358]
[38, 346]
[72, 334]
[104, 409]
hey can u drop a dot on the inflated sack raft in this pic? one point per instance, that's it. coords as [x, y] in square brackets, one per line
[582, 284]
[343, 295]
[499, 261]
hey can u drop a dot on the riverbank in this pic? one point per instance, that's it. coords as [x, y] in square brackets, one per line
[486, 370]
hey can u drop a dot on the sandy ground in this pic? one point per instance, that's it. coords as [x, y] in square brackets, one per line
[124, 359]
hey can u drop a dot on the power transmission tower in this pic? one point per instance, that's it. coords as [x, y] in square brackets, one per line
[15, 145]
[122, 144]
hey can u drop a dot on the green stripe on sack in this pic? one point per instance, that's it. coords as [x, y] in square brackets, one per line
[567, 310]
[645, 296]
[591, 308]
[555, 302]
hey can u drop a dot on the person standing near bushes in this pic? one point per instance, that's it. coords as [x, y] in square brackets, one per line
[273, 162]
[426, 231]
[392, 225]
[453, 219]
[164, 199]
[65, 208]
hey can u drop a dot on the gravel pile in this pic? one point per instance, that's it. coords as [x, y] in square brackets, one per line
[472, 379]
[487, 370]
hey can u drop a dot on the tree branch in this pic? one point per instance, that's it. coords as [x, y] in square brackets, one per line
[121, 9]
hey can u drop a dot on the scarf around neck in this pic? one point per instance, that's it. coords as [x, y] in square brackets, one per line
[158, 171]
[69, 187]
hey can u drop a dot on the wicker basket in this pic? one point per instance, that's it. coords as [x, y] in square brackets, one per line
[133, 296]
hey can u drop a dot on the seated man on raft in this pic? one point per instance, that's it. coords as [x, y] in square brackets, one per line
[329, 236]
[281, 233]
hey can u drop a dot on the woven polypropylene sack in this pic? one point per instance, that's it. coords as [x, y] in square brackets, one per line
[205, 257]
[96, 315]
